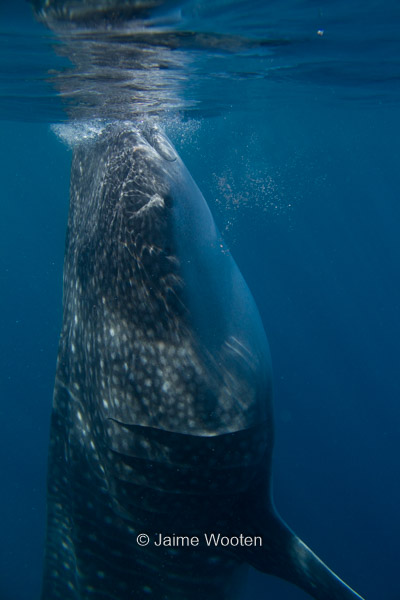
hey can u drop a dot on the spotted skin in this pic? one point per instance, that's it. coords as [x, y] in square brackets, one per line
[150, 430]
[162, 418]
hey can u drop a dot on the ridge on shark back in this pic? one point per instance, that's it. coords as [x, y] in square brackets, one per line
[162, 417]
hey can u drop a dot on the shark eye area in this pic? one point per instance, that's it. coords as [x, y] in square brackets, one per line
[160, 143]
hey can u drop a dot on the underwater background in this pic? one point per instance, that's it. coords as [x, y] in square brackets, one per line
[296, 148]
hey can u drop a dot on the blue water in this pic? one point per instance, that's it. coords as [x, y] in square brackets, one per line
[296, 147]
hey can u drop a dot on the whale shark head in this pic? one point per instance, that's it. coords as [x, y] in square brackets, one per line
[154, 274]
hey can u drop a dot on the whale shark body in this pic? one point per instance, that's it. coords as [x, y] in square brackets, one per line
[162, 418]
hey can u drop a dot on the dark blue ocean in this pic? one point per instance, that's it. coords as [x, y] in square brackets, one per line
[295, 145]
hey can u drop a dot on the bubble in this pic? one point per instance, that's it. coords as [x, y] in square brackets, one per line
[77, 132]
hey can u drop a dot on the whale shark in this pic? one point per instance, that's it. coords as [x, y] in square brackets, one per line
[159, 476]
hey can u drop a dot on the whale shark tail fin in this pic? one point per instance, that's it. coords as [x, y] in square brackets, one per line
[283, 554]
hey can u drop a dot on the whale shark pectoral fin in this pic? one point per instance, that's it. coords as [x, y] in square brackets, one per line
[282, 554]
